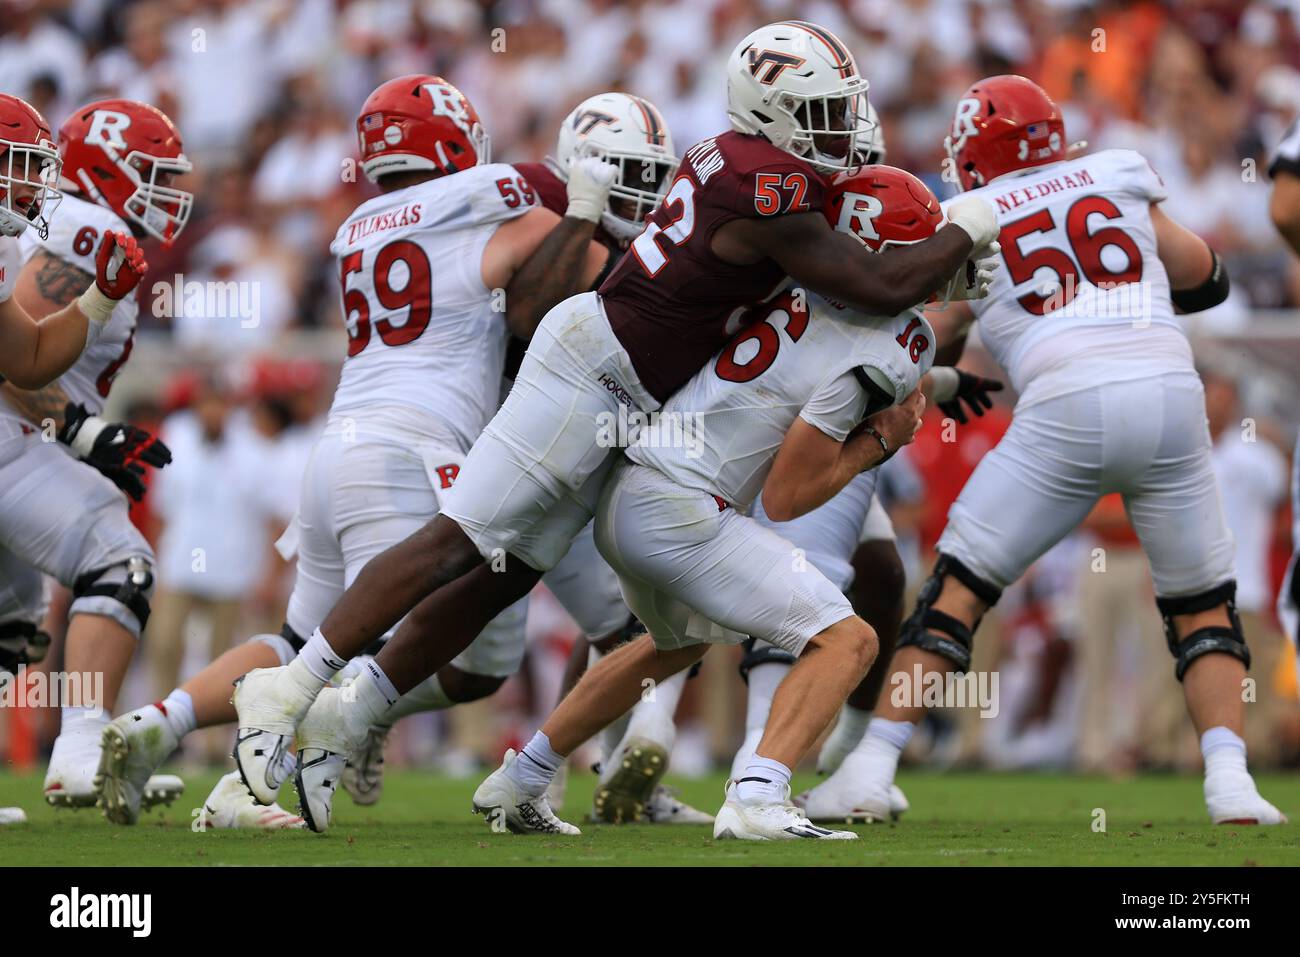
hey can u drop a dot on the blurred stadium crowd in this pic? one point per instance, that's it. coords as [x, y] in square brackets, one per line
[265, 92]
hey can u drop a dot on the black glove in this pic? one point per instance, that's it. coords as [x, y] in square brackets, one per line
[974, 391]
[117, 450]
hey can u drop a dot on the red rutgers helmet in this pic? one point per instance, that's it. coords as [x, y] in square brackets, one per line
[1002, 124]
[882, 206]
[420, 122]
[124, 155]
[29, 168]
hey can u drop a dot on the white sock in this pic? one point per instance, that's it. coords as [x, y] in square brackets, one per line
[315, 665]
[764, 679]
[851, 726]
[876, 757]
[1223, 751]
[652, 718]
[610, 738]
[374, 694]
[765, 781]
[426, 696]
[178, 711]
[82, 721]
[536, 765]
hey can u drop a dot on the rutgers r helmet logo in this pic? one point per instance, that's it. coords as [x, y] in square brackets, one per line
[448, 102]
[767, 65]
[106, 128]
[963, 123]
[447, 475]
[857, 214]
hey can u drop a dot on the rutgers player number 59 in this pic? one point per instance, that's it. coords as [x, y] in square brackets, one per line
[405, 287]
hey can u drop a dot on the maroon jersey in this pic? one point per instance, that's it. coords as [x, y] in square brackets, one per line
[555, 195]
[671, 302]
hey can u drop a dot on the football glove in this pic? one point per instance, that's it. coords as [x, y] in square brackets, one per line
[117, 450]
[119, 267]
[972, 280]
[590, 180]
[973, 390]
[979, 220]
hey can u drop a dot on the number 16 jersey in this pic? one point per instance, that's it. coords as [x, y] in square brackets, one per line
[1082, 297]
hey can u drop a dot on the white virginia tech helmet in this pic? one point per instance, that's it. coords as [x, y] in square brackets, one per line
[796, 84]
[629, 133]
[873, 144]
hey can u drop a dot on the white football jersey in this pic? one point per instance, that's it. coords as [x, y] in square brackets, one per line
[11, 261]
[720, 432]
[75, 235]
[423, 329]
[1081, 297]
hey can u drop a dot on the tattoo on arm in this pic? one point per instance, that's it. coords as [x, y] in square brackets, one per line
[60, 281]
[37, 405]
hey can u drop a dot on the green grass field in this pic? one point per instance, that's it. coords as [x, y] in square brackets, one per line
[965, 819]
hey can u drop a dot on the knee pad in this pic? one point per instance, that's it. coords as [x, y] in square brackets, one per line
[21, 643]
[934, 631]
[1213, 639]
[295, 640]
[120, 592]
[281, 644]
[761, 654]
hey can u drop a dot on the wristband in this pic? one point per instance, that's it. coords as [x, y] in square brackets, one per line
[871, 430]
[96, 306]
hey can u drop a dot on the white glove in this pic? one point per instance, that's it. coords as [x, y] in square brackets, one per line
[978, 219]
[972, 280]
[590, 180]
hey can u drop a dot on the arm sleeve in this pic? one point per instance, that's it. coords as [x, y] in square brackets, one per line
[836, 406]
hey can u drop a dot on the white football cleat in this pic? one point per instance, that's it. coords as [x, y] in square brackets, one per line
[637, 769]
[324, 743]
[507, 808]
[664, 807]
[12, 815]
[131, 748]
[833, 801]
[1234, 799]
[70, 779]
[778, 821]
[363, 775]
[269, 713]
[230, 806]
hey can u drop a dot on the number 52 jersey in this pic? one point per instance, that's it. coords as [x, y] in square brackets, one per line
[423, 329]
[1081, 298]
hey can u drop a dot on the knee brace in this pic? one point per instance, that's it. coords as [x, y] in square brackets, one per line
[761, 654]
[282, 644]
[120, 592]
[21, 643]
[932, 630]
[1213, 639]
